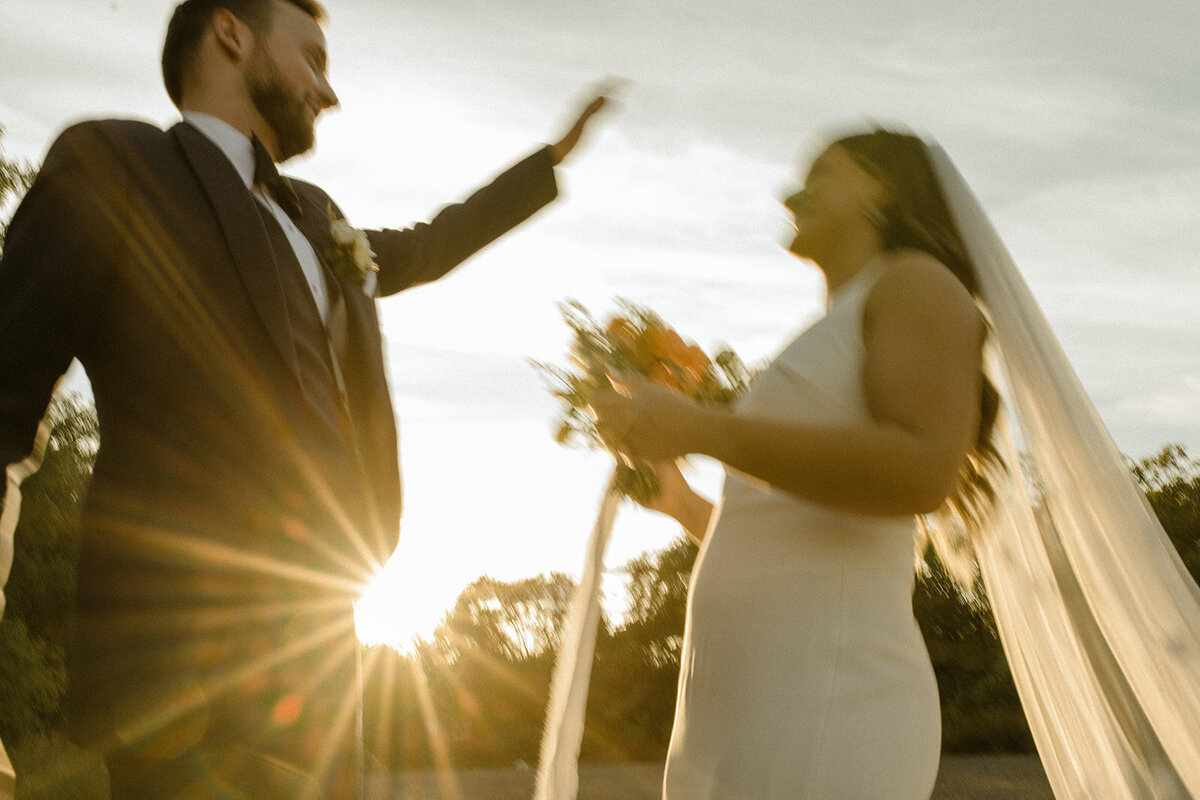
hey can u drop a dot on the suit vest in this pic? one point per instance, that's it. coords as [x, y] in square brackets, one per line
[314, 354]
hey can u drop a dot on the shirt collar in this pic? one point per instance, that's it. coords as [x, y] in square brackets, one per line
[232, 142]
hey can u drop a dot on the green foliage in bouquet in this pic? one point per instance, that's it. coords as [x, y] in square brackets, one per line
[634, 341]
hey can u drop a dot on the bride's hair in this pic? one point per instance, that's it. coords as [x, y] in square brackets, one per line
[918, 217]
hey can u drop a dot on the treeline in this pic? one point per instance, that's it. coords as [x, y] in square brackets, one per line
[40, 590]
[476, 694]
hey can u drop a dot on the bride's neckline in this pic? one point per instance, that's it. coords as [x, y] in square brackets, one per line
[868, 270]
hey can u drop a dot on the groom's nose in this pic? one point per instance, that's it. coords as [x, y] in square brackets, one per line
[329, 98]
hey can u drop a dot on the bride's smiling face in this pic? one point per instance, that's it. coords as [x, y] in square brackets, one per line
[835, 205]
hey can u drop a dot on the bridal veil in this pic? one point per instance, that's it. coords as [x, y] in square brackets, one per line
[1099, 618]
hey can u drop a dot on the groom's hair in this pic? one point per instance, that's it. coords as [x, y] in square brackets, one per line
[191, 19]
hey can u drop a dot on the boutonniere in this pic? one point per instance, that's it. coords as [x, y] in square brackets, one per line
[350, 255]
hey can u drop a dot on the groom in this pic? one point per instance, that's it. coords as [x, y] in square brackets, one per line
[247, 483]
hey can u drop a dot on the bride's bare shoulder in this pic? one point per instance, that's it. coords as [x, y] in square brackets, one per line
[914, 281]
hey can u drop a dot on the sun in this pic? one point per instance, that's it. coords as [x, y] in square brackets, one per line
[401, 605]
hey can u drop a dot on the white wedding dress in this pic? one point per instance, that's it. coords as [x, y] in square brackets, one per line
[804, 675]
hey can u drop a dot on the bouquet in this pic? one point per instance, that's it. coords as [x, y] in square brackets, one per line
[634, 341]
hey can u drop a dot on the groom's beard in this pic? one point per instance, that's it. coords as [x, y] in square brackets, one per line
[285, 111]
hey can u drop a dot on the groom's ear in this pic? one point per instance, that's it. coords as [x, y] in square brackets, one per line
[233, 37]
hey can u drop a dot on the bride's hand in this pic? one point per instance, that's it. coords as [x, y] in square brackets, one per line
[677, 499]
[673, 489]
[645, 420]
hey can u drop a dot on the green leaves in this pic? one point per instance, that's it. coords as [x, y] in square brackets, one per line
[15, 177]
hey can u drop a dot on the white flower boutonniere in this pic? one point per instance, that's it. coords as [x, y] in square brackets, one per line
[350, 255]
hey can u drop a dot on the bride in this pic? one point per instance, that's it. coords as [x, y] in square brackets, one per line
[804, 674]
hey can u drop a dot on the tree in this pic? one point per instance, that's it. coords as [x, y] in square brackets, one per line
[1171, 481]
[631, 703]
[511, 621]
[15, 178]
[981, 711]
[477, 695]
[40, 589]
[658, 587]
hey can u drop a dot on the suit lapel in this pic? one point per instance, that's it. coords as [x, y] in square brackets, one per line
[248, 243]
[361, 326]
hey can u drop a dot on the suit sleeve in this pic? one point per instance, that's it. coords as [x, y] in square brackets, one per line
[52, 277]
[427, 251]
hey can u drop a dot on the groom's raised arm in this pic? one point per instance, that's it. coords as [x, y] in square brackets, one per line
[428, 251]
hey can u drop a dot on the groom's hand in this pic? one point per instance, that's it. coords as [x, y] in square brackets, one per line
[563, 147]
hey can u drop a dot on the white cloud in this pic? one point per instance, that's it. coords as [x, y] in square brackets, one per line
[1077, 128]
[1132, 234]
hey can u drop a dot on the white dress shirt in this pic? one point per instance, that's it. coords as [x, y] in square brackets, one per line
[237, 148]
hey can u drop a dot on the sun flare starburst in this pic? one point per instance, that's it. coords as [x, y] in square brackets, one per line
[400, 606]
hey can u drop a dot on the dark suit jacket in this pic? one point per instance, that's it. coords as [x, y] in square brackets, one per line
[221, 503]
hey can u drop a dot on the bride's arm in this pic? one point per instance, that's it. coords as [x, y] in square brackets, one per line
[921, 376]
[678, 500]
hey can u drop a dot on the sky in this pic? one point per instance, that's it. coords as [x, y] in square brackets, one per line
[1077, 124]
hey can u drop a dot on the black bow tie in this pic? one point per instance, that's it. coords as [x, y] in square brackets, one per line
[276, 185]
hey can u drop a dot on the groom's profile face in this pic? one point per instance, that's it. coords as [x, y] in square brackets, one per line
[287, 78]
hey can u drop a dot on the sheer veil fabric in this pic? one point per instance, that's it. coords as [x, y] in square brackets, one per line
[558, 763]
[1099, 618]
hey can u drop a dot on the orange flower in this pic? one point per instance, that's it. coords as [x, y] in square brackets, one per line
[661, 373]
[622, 333]
[697, 359]
[667, 345]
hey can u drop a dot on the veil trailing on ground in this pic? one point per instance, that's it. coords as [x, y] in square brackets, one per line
[1099, 618]
[558, 763]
